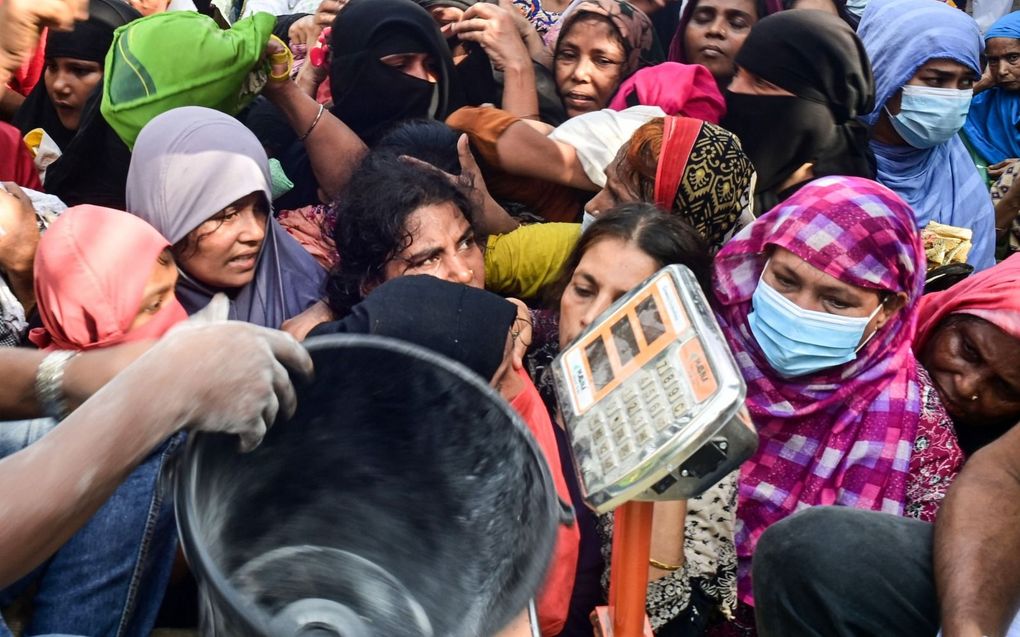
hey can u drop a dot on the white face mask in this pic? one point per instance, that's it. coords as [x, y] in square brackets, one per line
[930, 116]
[587, 220]
[856, 7]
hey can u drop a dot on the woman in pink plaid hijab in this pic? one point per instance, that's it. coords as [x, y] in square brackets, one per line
[843, 434]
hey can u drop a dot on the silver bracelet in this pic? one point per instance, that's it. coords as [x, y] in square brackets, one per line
[315, 123]
[49, 384]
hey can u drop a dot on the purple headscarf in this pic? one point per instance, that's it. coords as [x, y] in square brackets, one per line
[842, 435]
[188, 164]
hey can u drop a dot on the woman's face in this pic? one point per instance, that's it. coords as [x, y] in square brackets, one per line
[588, 65]
[812, 289]
[618, 189]
[159, 290]
[1004, 62]
[609, 269]
[937, 74]
[442, 245]
[223, 251]
[747, 83]
[419, 65]
[973, 365]
[69, 82]
[716, 31]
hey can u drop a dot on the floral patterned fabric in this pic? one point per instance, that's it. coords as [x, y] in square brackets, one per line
[937, 457]
[312, 227]
[539, 18]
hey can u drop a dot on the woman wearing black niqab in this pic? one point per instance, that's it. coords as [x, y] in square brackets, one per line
[371, 96]
[803, 78]
[94, 162]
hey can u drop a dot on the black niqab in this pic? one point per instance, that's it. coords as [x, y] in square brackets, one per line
[817, 57]
[370, 96]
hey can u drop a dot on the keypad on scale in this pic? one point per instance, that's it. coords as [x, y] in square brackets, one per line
[632, 417]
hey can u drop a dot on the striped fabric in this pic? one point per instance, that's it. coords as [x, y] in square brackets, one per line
[841, 436]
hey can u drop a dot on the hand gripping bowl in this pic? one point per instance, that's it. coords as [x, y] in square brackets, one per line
[404, 498]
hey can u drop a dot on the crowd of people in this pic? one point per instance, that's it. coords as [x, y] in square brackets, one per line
[190, 189]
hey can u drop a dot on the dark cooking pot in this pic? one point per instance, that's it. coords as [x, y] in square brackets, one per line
[405, 497]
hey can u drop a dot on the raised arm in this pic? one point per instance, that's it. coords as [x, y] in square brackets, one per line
[977, 543]
[529, 153]
[21, 21]
[333, 148]
[517, 148]
[493, 27]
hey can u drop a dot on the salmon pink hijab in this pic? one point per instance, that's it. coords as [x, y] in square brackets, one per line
[993, 295]
[91, 269]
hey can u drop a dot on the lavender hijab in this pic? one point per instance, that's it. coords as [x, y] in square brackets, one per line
[188, 164]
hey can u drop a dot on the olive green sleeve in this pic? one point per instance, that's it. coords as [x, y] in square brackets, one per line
[521, 263]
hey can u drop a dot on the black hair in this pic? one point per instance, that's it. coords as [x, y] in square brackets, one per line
[665, 238]
[166, 257]
[760, 6]
[187, 247]
[372, 218]
[425, 139]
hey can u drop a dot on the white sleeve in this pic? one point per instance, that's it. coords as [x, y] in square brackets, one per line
[598, 136]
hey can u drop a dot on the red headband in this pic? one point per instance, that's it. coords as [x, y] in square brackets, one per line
[678, 137]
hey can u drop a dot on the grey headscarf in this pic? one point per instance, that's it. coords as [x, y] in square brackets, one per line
[188, 164]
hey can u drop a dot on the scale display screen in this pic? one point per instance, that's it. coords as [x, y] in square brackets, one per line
[644, 388]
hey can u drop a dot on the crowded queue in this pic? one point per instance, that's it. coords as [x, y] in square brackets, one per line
[190, 189]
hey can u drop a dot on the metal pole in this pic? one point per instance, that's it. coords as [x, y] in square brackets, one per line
[632, 539]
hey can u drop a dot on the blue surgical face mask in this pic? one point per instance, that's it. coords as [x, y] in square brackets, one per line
[930, 116]
[796, 341]
[856, 7]
[587, 220]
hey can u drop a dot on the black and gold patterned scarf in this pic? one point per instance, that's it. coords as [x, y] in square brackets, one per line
[703, 176]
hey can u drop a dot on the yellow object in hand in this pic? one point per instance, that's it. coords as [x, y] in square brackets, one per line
[281, 56]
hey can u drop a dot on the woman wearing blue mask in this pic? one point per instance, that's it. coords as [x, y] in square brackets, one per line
[926, 58]
[817, 298]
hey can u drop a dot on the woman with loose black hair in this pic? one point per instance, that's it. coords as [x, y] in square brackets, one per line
[400, 218]
[427, 140]
[664, 238]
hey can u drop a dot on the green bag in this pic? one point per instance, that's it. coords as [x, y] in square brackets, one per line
[182, 58]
